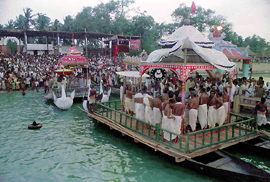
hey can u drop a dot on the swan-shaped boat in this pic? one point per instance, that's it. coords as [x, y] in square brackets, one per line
[64, 102]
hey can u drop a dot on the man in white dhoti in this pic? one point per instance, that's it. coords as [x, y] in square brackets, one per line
[178, 111]
[220, 109]
[212, 114]
[147, 100]
[167, 121]
[139, 106]
[202, 110]
[226, 101]
[261, 111]
[157, 109]
[193, 111]
[129, 105]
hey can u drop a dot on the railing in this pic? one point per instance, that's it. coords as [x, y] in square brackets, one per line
[212, 136]
[242, 126]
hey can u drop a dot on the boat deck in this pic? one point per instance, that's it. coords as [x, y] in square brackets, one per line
[189, 145]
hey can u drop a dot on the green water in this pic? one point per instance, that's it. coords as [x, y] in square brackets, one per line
[71, 147]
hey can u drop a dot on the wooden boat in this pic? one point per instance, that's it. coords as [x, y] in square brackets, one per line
[222, 165]
[258, 147]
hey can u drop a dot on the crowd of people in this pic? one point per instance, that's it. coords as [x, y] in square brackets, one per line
[207, 101]
[19, 72]
[156, 102]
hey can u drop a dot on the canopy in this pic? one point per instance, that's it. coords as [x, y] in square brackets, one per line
[134, 74]
[73, 57]
[179, 35]
[211, 56]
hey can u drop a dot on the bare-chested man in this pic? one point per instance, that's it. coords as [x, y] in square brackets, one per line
[157, 109]
[92, 100]
[165, 95]
[212, 113]
[167, 121]
[220, 109]
[128, 101]
[178, 111]
[202, 110]
[261, 111]
[193, 111]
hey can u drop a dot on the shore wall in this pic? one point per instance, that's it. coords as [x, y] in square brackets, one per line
[256, 67]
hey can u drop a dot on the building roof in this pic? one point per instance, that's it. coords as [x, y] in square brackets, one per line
[62, 34]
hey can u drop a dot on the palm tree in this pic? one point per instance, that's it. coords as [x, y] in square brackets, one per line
[28, 16]
[9, 25]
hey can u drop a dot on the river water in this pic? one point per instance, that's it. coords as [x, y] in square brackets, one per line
[71, 147]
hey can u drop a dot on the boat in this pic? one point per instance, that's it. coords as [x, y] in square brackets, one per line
[222, 165]
[259, 146]
[34, 127]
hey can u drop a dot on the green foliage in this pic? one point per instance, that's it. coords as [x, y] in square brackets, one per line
[112, 17]
[12, 46]
[133, 53]
[42, 22]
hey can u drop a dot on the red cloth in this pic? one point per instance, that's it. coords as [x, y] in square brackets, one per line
[115, 52]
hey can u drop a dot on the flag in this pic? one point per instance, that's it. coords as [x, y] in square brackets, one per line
[115, 52]
[193, 6]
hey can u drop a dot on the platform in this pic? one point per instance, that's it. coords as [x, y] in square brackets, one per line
[191, 144]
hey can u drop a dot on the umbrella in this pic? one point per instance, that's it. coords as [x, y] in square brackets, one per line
[63, 71]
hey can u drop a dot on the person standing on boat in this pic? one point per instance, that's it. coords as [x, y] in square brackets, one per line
[220, 118]
[212, 110]
[147, 100]
[261, 111]
[129, 106]
[193, 111]
[202, 109]
[167, 121]
[178, 111]
[139, 106]
[92, 100]
[157, 109]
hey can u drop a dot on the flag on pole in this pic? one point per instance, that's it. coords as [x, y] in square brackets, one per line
[115, 52]
[193, 6]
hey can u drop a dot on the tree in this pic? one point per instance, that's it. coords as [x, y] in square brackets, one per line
[29, 17]
[1, 27]
[56, 25]
[9, 25]
[200, 19]
[12, 46]
[20, 22]
[42, 22]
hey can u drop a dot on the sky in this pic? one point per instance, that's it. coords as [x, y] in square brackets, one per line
[248, 17]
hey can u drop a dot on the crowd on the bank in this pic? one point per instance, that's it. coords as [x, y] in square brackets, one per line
[156, 102]
[20, 72]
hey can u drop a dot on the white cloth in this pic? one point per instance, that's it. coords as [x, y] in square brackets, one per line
[178, 124]
[148, 109]
[129, 105]
[156, 116]
[261, 118]
[193, 113]
[167, 124]
[226, 105]
[139, 111]
[220, 115]
[202, 115]
[212, 117]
